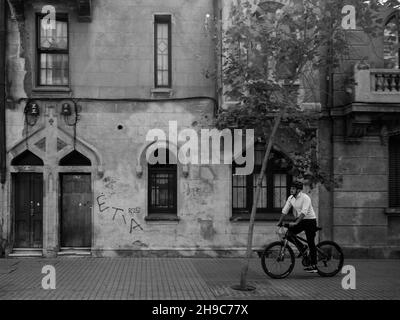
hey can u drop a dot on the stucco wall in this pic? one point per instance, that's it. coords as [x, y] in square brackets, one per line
[120, 196]
[361, 195]
[113, 56]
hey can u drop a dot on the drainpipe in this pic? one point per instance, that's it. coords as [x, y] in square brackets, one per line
[3, 24]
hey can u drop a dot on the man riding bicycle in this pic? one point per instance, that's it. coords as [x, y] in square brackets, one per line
[306, 221]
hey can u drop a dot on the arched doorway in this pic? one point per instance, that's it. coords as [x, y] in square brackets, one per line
[75, 203]
[27, 191]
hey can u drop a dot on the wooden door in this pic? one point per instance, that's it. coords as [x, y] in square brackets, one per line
[28, 204]
[76, 203]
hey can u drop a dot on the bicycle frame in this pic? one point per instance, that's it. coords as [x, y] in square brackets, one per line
[302, 253]
[286, 240]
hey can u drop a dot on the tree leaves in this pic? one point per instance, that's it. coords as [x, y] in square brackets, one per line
[268, 50]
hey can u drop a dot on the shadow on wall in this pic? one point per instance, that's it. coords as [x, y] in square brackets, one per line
[4, 245]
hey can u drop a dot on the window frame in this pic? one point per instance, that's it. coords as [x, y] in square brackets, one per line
[269, 212]
[393, 179]
[396, 17]
[59, 17]
[163, 19]
[164, 169]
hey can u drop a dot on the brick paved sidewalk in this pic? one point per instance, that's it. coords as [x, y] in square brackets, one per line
[186, 279]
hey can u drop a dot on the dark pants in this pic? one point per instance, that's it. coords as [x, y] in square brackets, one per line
[309, 226]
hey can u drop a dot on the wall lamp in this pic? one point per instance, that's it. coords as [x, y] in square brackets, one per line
[69, 109]
[66, 109]
[32, 113]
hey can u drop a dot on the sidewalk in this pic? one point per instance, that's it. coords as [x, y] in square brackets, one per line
[187, 278]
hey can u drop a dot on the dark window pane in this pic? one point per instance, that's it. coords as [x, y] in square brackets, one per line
[394, 172]
[162, 188]
[239, 192]
[54, 38]
[258, 157]
[162, 59]
[75, 158]
[280, 190]
[262, 201]
[27, 158]
[53, 69]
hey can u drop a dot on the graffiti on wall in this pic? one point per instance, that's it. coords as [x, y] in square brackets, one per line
[127, 215]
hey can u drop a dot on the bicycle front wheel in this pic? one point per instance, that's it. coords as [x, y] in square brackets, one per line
[329, 258]
[278, 260]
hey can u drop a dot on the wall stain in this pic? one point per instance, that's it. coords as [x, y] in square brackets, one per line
[139, 243]
[207, 230]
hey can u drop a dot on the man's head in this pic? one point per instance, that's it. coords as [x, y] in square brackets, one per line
[295, 188]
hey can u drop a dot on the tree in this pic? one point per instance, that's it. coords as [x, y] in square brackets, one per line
[268, 49]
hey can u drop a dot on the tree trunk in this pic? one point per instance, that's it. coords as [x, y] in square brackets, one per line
[245, 268]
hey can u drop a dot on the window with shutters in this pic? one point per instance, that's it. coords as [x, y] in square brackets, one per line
[274, 191]
[394, 172]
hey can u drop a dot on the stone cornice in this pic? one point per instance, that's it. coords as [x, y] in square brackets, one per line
[361, 107]
[84, 9]
[361, 119]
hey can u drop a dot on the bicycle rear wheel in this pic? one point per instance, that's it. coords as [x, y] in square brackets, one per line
[329, 258]
[277, 261]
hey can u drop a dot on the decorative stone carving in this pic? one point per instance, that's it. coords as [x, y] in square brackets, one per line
[41, 144]
[356, 127]
[60, 144]
[362, 65]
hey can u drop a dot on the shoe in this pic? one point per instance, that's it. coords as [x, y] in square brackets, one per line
[311, 269]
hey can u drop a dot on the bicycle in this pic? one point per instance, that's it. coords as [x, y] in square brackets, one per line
[329, 254]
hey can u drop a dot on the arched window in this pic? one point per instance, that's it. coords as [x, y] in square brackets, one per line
[162, 186]
[75, 158]
[275, 186]
[27, 158]
[391, 42]
[394, 172]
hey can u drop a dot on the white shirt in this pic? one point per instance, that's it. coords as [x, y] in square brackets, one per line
[301, 205]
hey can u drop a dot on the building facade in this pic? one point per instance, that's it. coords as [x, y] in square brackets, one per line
[364, 117]
[82, 94]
